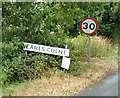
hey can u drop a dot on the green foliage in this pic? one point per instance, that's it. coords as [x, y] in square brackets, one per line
[13, 49]
[31, 24]
[78, 54]
[109, 25]
[12, 56]
[14, 66]
[78, 47]
[33, 21]
[50, 23]
[77, 68]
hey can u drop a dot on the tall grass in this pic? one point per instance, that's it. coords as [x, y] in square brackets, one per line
[100, 47]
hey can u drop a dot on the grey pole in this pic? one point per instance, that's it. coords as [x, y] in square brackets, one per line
[89, 47]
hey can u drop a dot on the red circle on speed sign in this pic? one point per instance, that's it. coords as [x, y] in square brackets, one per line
[88, 26]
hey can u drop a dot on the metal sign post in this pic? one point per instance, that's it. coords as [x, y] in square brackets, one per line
[89, 49]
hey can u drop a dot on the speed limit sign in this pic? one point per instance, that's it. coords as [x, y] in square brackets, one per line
[88, 26]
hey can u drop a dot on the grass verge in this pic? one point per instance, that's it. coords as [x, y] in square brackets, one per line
[63, 85]
[104, 59]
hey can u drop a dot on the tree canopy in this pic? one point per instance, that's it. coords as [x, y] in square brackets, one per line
[32, 20]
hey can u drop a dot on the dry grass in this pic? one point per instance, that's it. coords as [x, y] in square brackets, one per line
[100, 46]
[66, 85]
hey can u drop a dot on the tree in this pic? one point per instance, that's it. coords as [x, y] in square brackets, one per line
[33, 21]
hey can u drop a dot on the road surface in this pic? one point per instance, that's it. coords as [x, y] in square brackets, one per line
[108, 87]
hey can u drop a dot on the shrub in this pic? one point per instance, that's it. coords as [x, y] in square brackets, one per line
[15, 68]
[78, 48]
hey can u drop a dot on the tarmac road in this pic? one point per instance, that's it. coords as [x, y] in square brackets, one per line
[108, 87]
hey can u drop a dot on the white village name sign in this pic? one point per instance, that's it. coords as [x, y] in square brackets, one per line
[50, 50]
[46, 49]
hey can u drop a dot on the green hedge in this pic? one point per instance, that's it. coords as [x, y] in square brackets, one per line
[14, 66]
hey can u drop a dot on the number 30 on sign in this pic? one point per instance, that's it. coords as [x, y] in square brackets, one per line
[88, 26]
